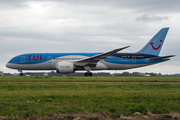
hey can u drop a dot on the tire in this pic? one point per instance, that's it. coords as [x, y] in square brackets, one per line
[21, 74]
[90, 74]
[86, 74]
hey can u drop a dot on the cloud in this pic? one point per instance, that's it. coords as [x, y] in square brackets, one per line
[148, 18]
[85, 26]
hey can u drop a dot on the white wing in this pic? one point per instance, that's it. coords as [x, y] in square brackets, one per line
[97, 58]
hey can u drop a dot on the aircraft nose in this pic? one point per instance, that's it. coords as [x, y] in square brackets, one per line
[8, 65]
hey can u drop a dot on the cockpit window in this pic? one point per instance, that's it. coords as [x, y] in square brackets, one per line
[13, 59]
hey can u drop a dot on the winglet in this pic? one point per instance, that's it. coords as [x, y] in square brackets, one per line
[119, 49]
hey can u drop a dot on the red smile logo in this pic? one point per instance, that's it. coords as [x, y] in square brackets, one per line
[157, 47]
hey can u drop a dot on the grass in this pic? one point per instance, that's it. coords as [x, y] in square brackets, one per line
[48, 98]
[86, 79]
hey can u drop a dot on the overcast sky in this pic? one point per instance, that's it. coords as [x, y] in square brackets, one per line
[28, 26]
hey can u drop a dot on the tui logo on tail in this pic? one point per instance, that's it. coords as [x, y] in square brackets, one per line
[152, 44]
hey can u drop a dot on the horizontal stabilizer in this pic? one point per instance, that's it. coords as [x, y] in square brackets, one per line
[157, 58]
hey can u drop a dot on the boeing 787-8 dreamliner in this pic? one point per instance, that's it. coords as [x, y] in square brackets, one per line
[112, 60]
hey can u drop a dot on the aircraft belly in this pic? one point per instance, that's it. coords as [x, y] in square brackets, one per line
[39, 66]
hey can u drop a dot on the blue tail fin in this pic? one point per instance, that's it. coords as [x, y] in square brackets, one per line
[153, 47]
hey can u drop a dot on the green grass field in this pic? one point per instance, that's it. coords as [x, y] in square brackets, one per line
[46, 96]
[87, 79]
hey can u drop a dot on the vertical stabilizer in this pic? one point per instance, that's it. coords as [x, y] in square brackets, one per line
[153, 47]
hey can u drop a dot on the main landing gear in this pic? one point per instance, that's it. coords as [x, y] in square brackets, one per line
[88, 74]
[88, 69]
[20, 74]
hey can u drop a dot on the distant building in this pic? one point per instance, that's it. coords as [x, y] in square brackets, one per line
[147, 75]
[140, 74]
[45, 74]
[1, 73]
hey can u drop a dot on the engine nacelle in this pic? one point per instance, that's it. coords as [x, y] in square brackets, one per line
[65, 67]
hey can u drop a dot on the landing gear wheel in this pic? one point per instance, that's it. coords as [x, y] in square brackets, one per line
[88, 74]
[21, 74]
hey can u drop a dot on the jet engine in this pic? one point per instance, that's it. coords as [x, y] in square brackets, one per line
[65, 67]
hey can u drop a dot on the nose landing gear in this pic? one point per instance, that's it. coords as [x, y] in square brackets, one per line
[20, 74]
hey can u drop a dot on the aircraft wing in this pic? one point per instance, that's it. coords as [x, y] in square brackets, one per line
[157, 58]
[96, 58]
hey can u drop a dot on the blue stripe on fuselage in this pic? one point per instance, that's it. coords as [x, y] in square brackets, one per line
[118, 58]
[35, 58]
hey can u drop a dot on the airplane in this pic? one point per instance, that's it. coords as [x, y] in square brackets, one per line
[65, 63]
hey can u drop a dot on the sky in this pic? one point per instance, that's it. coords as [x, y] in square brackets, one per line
[60, 26]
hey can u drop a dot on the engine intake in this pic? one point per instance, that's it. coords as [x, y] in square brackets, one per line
[65, 67]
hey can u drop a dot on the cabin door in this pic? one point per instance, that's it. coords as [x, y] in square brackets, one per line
[23, 59]
[133, 58]
[49, 59]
